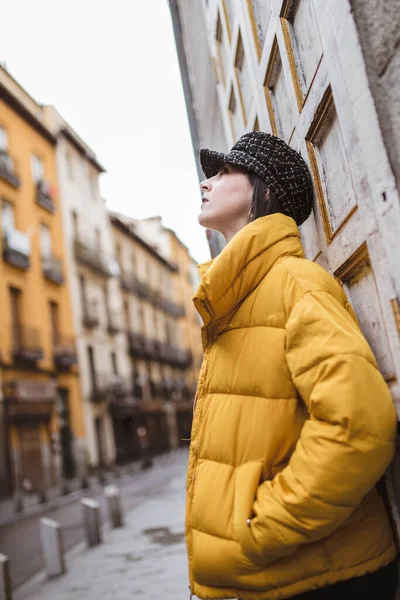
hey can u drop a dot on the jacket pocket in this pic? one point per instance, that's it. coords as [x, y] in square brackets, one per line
[248, 478]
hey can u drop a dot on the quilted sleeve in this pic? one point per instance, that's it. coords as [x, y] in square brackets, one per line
[348, 440]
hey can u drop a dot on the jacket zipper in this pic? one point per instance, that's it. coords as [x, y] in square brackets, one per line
[192, 483]
[204, 303]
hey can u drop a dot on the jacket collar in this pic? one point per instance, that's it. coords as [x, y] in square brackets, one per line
[230, 277]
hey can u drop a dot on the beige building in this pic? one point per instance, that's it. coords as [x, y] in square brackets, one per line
[95, 292]
[321, 76]
[160, 354]
[186, 281]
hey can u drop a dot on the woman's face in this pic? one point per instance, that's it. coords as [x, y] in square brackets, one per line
[226, 201]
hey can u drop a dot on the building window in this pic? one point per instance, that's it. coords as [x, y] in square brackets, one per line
[97, 234]
[127, 315]
[105, 296]
[93, 185]
[46, 243]
[7, 215]
[119, 257]
[75, 228]
[3, 140]
[69, 161]
[92, 367]
[15, 305]
[114, 363]
[37, 168]
[82, 286]
[53, 307]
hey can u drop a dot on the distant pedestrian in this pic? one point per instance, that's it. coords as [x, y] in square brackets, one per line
[294, 424]
[144, 447]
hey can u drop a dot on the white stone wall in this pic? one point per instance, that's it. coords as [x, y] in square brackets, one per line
[297, 69]
[378, 25]
[202, 75]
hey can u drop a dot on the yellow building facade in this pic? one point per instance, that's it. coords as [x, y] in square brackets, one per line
[186, 283]
[41, 403]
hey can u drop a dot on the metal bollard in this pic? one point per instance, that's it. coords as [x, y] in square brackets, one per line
[53, 553]
[5, 579]
[91, 521]
[113, 498]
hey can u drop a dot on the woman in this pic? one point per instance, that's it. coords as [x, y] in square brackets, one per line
[293, 423]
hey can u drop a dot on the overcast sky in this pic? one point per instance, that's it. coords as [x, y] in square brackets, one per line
[110, 68]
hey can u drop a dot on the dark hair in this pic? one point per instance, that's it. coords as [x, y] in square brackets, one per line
[261, 206]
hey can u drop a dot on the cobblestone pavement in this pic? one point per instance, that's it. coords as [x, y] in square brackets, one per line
[146, 559]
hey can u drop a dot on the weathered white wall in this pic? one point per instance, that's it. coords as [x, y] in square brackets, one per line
[378, 25]
[202, 80]
[303, 75]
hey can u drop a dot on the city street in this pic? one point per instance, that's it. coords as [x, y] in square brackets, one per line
[143, 559]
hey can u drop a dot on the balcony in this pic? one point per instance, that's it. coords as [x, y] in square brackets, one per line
[171, 355]
[120, 388]
[53, 269]
[90, 318]
[92, 257]
[175, 310]
[26, 344]
[65, 353]
[132, 284]
[113, 324]
[7, 172]
[16, 248]
[137, 345]
[142, 347]
[184, 359]
[109, 388]
[45, 196]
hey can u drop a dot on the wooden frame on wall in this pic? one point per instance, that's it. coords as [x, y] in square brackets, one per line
[323, 112]
[267, 86]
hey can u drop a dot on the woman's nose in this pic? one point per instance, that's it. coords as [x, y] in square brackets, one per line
[205, 185]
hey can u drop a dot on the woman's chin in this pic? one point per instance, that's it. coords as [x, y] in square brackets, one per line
[208, 221]
[203, 221]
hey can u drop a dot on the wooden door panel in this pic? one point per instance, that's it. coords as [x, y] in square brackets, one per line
[330, 168]
[282, 111]
[31, 460]
[361, 289]
[303, 45]
[260, 12]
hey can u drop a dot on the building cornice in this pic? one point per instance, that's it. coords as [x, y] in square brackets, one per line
[119, 224]
[26, 114]
[81, 148]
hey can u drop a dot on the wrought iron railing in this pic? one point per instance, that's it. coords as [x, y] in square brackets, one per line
[113, 322]
[109, 387]
[91, 256]
[7, 170]
[53, 269]
[45, 196]
[27, 343]
[65, 355]
[90, 316]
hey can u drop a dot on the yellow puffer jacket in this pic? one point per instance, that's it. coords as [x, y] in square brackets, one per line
[293, 427]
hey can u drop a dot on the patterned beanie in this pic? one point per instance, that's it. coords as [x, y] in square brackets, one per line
[276, 163]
